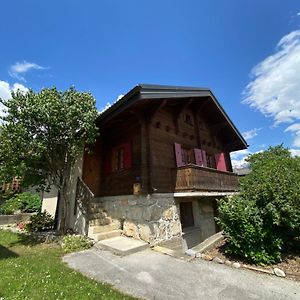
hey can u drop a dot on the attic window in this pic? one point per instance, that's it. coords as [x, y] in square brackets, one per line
[188, 119]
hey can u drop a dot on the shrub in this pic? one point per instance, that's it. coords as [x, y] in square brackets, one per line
[72, 243]
[42, 221]
[25, 202]
[246, 235]
[264, 220]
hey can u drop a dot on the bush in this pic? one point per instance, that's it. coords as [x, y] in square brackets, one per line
[264, 220]
[246, 235]
[42, 221]
[72, 243]
[24, 202]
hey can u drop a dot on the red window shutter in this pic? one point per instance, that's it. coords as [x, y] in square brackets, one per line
[178, 155]
[108, 163]
[198, 157]
[220, 161]
[204, 158]
[127, 156]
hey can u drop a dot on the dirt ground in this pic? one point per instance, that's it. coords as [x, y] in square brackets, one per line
[290, 262]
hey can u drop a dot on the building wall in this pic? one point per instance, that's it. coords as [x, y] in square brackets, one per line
[49, 202]
[164, 132]
[102, 182]
[152, 218]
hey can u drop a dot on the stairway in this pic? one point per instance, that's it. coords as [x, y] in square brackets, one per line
[101, 226]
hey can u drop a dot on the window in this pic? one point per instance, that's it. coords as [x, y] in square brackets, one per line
[118, 159]
[187, 156]
[211, 163]
[188, 119]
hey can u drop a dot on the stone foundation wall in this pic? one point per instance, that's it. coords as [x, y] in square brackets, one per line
[152, 218]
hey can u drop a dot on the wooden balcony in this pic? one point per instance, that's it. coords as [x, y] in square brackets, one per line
[191, 178]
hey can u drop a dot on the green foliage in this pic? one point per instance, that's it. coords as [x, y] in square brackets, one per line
[42, 221]
[264, 220]
[24, 202]
[246, 236]
[42, 135]
[72, 243]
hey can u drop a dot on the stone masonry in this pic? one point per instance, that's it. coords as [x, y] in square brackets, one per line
[152, 218]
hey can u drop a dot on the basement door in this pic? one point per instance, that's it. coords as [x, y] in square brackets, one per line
[186, 214]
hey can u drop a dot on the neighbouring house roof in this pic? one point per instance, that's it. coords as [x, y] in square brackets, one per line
[150, 92]
[242, 171]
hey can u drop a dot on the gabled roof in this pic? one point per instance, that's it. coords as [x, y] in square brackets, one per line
[149, 92]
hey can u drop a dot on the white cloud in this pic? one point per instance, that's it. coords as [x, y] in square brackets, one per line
[275, 87]
[238, 154]
[238, 159]
[6, 89]
[103, 109]
[119, 97]
[295, 152]
[108, 104]
[298, 14]
[250, 134]
[19, 69]
[239, 163]
[295, 130]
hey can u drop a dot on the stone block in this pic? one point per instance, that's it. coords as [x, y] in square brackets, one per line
[135, 213]
[168, 214]
[146, 200]
[132, 202]
[124, 202]
[131, 229]
[218, 260]
[278, 272]
[175, 228]
[145, 232]
[156, 213]
[163, 231]
[147, 211]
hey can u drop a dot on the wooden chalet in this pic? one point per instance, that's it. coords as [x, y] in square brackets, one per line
[161, 160]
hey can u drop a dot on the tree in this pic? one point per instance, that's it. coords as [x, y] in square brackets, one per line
[264, 219]
[42, 135]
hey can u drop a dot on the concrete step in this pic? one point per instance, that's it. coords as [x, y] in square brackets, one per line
[96, 205]
[100, 222]
[107, 235]
[114, 225]
[97, 215]
[95, 210]
[122, 245]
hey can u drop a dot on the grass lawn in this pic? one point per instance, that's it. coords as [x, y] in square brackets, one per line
[32, 270]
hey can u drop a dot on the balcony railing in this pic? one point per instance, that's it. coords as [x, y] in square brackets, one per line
[196, 178]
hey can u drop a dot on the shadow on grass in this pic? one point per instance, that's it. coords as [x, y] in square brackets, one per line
[25, 240]
[6, 253]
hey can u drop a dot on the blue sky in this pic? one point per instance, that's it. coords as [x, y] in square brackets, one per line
[107, 47]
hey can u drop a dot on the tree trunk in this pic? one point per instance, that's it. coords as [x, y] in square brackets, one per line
[65, 201]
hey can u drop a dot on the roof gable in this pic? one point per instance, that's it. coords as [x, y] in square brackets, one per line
[151, 92]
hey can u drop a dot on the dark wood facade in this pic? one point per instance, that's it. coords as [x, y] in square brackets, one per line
[138, 137]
